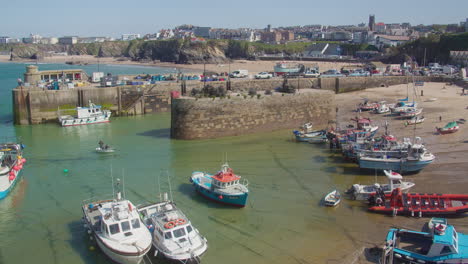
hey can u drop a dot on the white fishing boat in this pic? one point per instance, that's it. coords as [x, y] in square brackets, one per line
[395, 180]
[116, 226]
[332, 199]
[105, 150]
[382, 108]
[415, 120]
[93, 114]
[411, 112]
[174, 236]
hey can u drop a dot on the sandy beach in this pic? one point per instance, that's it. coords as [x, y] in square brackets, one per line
[253, 67]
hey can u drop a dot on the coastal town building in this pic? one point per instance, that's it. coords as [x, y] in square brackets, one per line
[47, 41]
[466, 25]
[68, 40]
[459, 58]
[386, 40]
[32, 39]
[277, 36]
[203, 32]
[4, 39]
[381, 28]
[92, 39]
[323, 50]
[33, 76]
[372, 22]
[128, 37]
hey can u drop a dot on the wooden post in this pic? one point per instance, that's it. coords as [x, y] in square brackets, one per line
[119, 100]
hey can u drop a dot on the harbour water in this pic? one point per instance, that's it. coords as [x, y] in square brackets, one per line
[283, 222]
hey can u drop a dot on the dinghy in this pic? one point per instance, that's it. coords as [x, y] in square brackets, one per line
[332, 199]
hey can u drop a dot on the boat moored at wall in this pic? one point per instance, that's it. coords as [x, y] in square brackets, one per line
[93, 114]
[11, 164]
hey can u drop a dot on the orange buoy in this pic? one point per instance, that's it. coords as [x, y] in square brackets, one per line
[169, 225]
[180, 221]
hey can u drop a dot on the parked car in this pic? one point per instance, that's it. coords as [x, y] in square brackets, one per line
[331, 74]
[263, 75]
[359, 73]
[311, 74]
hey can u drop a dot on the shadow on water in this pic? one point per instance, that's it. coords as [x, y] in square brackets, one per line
[189, 191]
[157, 133]
[87, 249]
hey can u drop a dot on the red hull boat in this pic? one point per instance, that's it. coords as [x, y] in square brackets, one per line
[451, 127]
[418, 204]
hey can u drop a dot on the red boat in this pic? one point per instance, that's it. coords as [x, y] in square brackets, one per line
[451, 127]
[418, 204]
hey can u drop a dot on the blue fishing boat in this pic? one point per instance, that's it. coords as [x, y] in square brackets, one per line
[416, 159]
[440, 244]
[11, 164]
[223, 187]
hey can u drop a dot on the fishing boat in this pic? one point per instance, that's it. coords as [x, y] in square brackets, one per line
[395, 180]
[402, 107]
[417, 158]
[116, 226]
[366, 124]
[332, 199]
[11, 164]
[93, 114]
[440, 244]
[410, 112]
[283, 67]
[382, 108]
[306, 133]
[415, 120]
[319, 139]
[451, 127]
[367, 106]
[386, 145]
[418, 204]
[223, 187]
[174, 236]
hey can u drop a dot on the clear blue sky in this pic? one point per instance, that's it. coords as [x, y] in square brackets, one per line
[112, 18]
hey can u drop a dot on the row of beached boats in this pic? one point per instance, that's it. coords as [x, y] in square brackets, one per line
[125, 231]
[438, 242]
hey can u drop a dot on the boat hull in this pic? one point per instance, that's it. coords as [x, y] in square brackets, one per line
[447, 131]
[66, 122]
[405, 166]
[186, 257]
[234, 200]
[4, 192]
[120, 257]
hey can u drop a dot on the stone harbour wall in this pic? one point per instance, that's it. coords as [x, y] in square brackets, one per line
[207, 118]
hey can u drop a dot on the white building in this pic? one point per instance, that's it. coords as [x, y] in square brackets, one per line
[128, 37]
[34, 39]
[4, 40]
[387, 40]
[51, 40]
[69, 40]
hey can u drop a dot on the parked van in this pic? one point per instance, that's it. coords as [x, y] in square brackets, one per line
[239, 74]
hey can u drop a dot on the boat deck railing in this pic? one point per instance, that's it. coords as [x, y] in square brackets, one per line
[98, 200]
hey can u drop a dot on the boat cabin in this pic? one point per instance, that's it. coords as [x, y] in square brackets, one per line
[116, 220]
[433, 246]
[92, 110]
[167, 222]
[225, 178]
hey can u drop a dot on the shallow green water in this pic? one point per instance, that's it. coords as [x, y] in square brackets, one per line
[282, 223]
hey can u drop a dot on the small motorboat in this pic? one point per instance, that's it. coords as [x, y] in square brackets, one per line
[105, 150]
[305, 133]
[451, 127]
[415, 120]
[332, 199]
[367, 106]
[174, 236]
[418, 204]
[440, 244]
[382, 108]
[116, 226]
[411, 112]
[395, 180]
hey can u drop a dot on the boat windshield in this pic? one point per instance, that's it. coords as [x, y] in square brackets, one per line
[189, 229]
[168, 235]
[114, 229]
[135, 223]
[179, 232]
